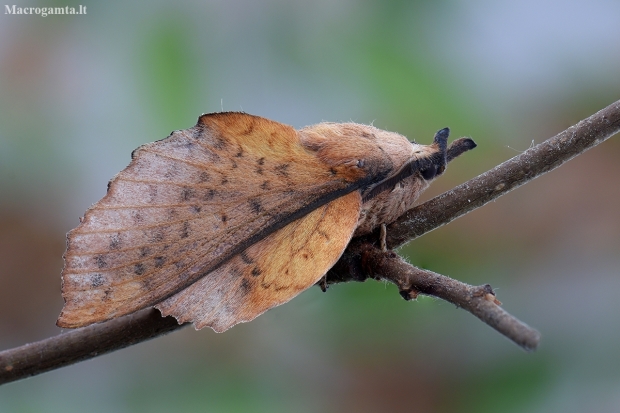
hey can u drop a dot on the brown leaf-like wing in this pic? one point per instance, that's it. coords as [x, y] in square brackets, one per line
[187, 204]
[270, 272]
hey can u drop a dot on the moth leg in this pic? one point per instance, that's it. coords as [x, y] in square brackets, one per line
[382, 238]
[322, 283]
[409, 294]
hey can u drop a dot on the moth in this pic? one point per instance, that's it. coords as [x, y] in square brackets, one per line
[220, 222]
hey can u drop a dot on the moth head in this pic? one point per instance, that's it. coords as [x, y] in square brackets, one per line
[425, 161]
[432, 159]
[429, 160]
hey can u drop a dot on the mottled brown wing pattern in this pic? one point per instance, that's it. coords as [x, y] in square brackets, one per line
[270, 272]
[185, 205]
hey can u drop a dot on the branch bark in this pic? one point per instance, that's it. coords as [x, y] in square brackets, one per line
[88, 342]
[83, 344]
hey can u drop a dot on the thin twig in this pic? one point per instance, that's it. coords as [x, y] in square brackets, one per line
[363, 260]
[97, 339]
[411, 281]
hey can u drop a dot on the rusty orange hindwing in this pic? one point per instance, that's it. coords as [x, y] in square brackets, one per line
[220, 222]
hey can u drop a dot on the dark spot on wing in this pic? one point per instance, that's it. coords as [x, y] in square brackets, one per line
[282, 169]
[239, 153]
[261, 161]
[245, 258]
[224, 181]
[219, 143]
[196, 208]
[259, 170]
[100, 261]
[187, 194]
[96, 280]
[137, 217]
[256, 206]
[115, 242]
[234, 164]
[159, 261]
[144, 251]
[224, 218]
[246, 286]
[185, 230]
[139, 269]
[324, 235]
[256, 271]
[235, 272]
[333, 171]
[204, 177]
[265, 185]
[209, 195]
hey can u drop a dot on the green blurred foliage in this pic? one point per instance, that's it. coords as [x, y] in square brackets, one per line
[509, 386]
[166, 70]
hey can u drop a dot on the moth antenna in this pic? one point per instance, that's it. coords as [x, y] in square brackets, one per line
[441, 139]
[435, 165]
[458, 147]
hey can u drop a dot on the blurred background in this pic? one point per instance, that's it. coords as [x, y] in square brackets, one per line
[79, 93]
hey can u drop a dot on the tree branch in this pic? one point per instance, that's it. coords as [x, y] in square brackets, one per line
[88, 342]
[366, 261]
[505, 177]
[83, 344]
